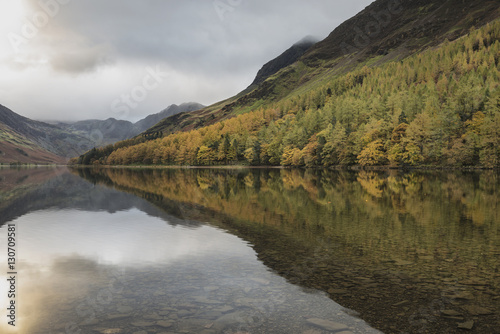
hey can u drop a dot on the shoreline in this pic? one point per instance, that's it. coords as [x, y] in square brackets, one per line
[353, 168]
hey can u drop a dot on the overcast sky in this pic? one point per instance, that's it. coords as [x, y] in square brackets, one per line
[80, 59]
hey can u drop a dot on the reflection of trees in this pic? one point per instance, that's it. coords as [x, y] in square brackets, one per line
[371, 182]
[428, 210]
[333, 230]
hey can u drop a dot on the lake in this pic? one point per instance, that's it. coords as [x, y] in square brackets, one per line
[249, 251]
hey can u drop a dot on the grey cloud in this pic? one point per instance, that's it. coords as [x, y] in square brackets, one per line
[212, 58]
[189, 34]
[80, 60]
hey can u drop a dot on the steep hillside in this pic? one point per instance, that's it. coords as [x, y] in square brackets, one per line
[386, 30]
[402, 27]
[287, 58]
[438, 107]
[37, 137]
[174, 109]
[15, 148]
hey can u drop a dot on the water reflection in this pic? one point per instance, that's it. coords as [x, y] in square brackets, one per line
[412, 252]
[126, 238]
[96, 260]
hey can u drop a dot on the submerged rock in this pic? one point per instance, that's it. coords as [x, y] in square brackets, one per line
[143, 324]
[477, 310]
[327, 324]
[451, 313]
[466, 325]
[164, 324]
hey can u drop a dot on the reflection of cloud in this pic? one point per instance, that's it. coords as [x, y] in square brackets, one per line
[65, 254]
[74, 265]
[123, 238]
[42, 293]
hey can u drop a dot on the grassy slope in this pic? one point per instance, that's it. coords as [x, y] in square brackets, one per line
[16, 148]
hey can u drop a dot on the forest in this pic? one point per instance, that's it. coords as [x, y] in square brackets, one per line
[440, 107]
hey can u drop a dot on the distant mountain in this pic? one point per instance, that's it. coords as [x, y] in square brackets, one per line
[28, 141]
[287, 58]
[102, 132]
[174, 109]
[111, 130]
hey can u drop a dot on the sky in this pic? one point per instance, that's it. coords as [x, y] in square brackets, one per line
[69, 60]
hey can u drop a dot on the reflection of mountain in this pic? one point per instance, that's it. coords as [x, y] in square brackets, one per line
[379, 243]
[30, 190]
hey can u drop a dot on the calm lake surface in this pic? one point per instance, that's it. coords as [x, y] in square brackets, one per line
[251, 251]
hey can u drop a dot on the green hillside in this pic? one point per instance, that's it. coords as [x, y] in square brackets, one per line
[439, 107]
[385, 31]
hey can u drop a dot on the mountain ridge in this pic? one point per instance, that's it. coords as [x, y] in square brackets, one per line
[15, 148]
[111, 130]
[285, 59]
[412, 27]
[25, 140]
[42, 135]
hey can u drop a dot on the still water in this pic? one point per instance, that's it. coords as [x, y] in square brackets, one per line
[251, 251]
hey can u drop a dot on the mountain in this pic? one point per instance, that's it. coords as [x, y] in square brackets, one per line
[15, 148]
[102, 132]
[25, 140]
[385, 31]
[174, 109]
[285, 59]
[28, 141]
[403, 83]
[400, 28]
[111, 130]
